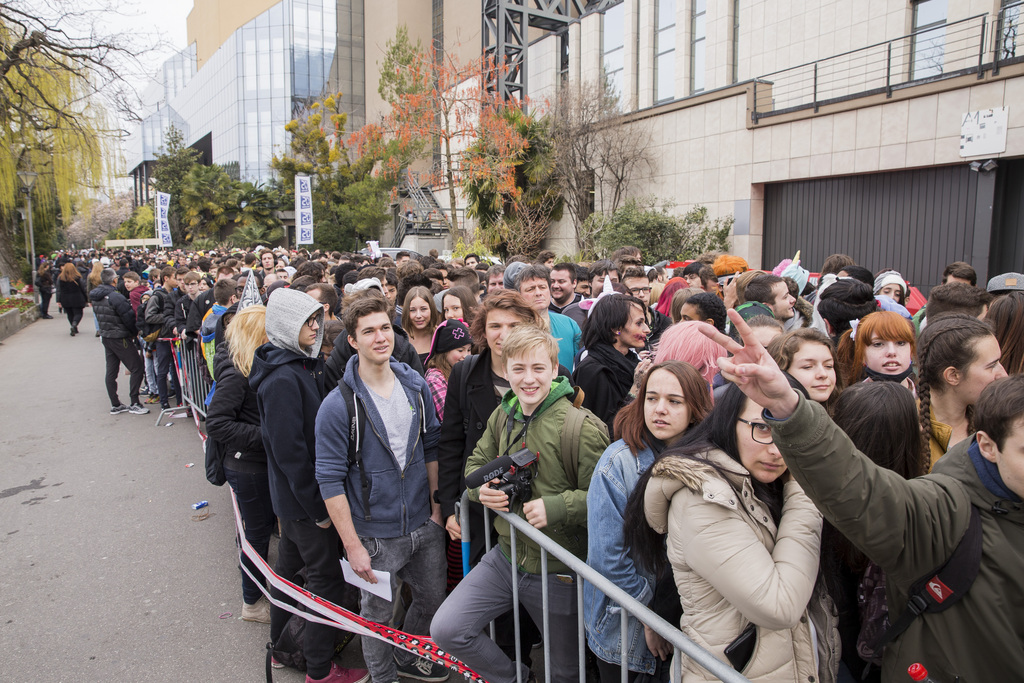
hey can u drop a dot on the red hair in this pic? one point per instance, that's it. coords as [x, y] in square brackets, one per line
[886, 326]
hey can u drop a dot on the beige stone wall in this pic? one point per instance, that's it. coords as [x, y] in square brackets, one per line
[211, 22]
[381, 20]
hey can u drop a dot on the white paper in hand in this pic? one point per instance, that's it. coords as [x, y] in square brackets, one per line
[381, 589]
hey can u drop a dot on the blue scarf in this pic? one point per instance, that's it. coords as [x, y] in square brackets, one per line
[989, 474]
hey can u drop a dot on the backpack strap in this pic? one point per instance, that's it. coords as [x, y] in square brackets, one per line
[571, 430]
[470, 362]
[942, 588]
[356, 429]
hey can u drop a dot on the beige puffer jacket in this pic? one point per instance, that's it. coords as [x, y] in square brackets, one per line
[733, 566]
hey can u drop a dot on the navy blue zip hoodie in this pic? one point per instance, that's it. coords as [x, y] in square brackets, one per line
[399, 499]
[289, 384]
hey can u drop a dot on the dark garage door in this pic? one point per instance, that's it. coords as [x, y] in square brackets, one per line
[914, 221]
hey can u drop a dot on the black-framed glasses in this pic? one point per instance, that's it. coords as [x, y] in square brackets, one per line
[759, 431]
[640, 290]
[311, 322]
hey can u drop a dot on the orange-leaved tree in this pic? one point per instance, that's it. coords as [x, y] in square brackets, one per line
[435, 109]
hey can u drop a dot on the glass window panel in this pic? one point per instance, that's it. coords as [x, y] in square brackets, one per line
[699, 6]
[614, 27]
[666, 40]
[276, 14]
[614, 61]
[698, 66]
[930, 12]
[929, 51]
[615, 83]
[666, 13]
[699, 27]
[665, 77]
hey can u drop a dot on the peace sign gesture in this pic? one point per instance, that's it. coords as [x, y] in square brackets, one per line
[753, 369]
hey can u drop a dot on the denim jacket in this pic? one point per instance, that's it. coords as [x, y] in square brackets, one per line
[614, 479]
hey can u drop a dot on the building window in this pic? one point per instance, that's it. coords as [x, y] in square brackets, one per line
[1010, 20]
[613, 48]
[736, 41]
[665, 51]
[928, 43]
[698, 46]
[563, 57]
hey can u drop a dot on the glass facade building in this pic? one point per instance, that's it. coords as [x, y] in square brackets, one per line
[265, 73]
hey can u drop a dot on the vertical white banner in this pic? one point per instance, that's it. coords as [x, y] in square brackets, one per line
[163, 228]
[303, 210]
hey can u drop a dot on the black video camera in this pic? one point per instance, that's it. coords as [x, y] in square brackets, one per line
[514, 474]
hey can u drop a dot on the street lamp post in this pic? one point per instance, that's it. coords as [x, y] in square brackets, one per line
[28, 179]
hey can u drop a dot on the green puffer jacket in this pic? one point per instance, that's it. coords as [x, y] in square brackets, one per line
[565, 505]
[911, 527]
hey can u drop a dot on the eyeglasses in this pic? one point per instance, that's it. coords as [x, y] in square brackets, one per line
[313, 324]
[640, 290]
[759, 431]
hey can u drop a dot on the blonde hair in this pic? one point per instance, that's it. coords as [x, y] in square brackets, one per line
[525, 338]
[246, 333]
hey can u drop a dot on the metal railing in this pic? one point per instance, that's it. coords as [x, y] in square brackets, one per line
[928, 54]
[681, 645]
[193, 376]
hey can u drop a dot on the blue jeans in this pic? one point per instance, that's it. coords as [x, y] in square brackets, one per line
[150, 371]
[486, 592]
[419, 560]
[252, 490]
[164, 364]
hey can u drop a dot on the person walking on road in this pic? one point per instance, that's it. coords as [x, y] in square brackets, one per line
[71, 290]
[116, 322]
[44, 283]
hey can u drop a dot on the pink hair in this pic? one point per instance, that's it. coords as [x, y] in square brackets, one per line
[683, 341]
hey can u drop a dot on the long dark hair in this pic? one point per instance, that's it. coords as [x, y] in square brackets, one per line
[948, 342]
[881, 420]
[716, 431]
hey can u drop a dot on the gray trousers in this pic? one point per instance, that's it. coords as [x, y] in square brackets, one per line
[485, 593]
[419, 560]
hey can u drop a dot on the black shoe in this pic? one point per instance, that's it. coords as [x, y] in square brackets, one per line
[73, 331]
[165, 406]
[47, 317]
[97, 333]
[74, 328]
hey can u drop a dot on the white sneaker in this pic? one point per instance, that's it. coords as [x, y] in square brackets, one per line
[137, 409]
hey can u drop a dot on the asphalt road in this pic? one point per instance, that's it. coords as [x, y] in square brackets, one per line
[104, 575]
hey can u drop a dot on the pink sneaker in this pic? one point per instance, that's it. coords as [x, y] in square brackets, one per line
[341, 675]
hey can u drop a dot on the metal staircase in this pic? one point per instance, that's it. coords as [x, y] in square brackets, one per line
[428, 219]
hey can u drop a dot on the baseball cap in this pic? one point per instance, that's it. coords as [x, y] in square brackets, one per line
[1007, 282]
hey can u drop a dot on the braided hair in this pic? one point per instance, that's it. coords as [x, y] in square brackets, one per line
[946, 342]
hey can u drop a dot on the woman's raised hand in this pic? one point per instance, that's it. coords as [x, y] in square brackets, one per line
[753, 369]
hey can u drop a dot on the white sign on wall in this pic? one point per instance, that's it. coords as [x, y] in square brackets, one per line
[983, 132]
[303, 210]
[163, 228]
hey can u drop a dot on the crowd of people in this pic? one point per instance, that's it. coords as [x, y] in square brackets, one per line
[782, 463]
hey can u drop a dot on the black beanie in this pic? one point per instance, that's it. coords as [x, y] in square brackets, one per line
[448, 336]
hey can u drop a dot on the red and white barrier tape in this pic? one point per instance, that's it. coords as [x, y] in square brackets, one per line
[325, 612]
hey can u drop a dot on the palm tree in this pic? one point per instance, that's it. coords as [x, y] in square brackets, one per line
[256, 218]
[209, 199]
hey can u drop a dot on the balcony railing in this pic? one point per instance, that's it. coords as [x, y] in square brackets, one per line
[967, 46]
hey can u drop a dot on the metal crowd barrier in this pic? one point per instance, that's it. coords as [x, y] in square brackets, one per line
[193, 377]
[629, 606]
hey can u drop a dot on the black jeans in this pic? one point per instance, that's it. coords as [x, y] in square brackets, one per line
[124, 351]
[44, 302]
[164, 361]
[304, 544]
[74, 316]
[252, 490]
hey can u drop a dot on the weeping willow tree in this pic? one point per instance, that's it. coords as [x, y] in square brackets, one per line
[51, 123]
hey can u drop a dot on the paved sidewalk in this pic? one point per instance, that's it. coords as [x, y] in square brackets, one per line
[103, 574]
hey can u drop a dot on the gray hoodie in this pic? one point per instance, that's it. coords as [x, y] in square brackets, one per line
[287, 311]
